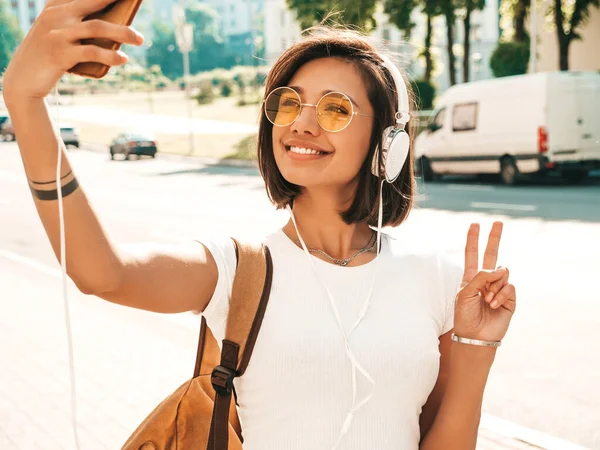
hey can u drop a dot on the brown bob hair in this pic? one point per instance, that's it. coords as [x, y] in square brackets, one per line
[349, 45]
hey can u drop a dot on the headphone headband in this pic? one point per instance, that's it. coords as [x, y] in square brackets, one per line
[402, 115]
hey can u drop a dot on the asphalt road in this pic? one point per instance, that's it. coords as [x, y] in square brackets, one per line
[547, 373]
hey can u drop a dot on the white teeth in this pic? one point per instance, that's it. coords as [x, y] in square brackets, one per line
[305, 151]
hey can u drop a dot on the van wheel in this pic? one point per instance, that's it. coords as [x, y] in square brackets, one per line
[425, 169]
[573, 176]
[509, 171]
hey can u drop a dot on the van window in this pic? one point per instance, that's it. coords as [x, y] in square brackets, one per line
[438, 120]
[464, 117]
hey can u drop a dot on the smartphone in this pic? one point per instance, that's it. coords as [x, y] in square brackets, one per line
[121, 12]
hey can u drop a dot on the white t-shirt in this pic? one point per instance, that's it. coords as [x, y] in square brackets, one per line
[297, 389]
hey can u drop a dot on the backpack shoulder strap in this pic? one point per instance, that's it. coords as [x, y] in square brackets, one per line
[249, 298]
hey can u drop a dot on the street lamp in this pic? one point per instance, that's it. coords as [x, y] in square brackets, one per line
[184, 36]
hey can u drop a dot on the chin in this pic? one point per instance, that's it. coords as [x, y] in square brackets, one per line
[300, 173]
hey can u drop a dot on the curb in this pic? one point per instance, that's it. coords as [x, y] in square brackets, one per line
[173, 156]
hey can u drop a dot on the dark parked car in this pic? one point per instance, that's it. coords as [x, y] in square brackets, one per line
[127, 144]
[6, 130]
[69, 135]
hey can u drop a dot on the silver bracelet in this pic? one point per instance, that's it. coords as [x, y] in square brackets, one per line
[462, 340]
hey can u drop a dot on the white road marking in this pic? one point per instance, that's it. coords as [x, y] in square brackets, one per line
[505, 206]
[515, 431]
[468, 187]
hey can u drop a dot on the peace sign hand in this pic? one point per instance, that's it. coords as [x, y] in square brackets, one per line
[486, 300]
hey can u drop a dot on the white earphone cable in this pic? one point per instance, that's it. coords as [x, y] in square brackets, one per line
[63, 263]
[355, 364]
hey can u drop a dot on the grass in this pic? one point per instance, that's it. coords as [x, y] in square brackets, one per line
[173, 103]
[244, 149]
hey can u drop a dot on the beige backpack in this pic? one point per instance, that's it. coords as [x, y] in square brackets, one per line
[201, 413]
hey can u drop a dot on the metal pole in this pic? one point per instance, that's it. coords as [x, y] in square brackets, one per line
[186, 76]
[533, 38]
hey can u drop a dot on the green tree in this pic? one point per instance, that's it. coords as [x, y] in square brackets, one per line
[359, 13]
[448, 10]
[163, 51]
[424, 92]
[209, 49]
[469, 6]
[515, 12]
[520, 10]
[568, 17]
[399, 12]
[10, 35]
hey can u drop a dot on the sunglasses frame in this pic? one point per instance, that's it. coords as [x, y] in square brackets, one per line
[302, 105]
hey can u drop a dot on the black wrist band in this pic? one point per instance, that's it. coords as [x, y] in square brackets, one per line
[67, 189]
[52, 182]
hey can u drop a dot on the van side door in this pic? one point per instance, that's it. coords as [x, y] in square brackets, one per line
[588, 99]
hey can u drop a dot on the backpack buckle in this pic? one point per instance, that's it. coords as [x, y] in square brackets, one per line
[222, 380]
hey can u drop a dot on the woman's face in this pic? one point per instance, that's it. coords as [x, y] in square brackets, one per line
[345, 150]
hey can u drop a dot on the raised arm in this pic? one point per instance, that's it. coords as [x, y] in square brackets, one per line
[156, 278]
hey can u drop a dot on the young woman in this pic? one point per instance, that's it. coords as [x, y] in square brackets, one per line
[362, 345]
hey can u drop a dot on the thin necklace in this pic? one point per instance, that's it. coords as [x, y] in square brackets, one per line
[344, 262]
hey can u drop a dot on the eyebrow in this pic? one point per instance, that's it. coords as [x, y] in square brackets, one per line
[326, 91]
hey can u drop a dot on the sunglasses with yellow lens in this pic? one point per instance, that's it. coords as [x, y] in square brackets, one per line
[334, 110]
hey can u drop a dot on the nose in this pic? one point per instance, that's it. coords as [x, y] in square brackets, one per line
[307, 121]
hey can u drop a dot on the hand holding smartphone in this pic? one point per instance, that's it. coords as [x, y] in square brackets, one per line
[120, 12]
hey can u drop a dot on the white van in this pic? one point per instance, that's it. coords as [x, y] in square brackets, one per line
[515, 126]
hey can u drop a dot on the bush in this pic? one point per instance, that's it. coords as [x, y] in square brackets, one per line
[424, 94]
[248, 101]
[226, 88]
[510, 58]
[205, 94]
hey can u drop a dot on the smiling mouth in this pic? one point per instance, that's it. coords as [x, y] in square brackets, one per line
[304, 151]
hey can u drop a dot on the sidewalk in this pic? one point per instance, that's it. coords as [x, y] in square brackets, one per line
[126, 362]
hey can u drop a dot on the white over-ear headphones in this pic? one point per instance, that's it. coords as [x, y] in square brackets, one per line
[395, 144]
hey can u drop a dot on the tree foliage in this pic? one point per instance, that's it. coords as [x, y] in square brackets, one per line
[517, 11]
[400, 12]
[163, 51]
[569, 17]
[510, 58]
[358, 13]
[10, 35]
[424, 94]
[208, 51]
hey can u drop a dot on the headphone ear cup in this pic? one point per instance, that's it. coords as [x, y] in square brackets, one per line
[396, 146]
[397, 153]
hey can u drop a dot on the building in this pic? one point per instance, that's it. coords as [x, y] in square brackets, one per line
[241, 25]
[583, 54]
[282, 30]
[26, 11]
